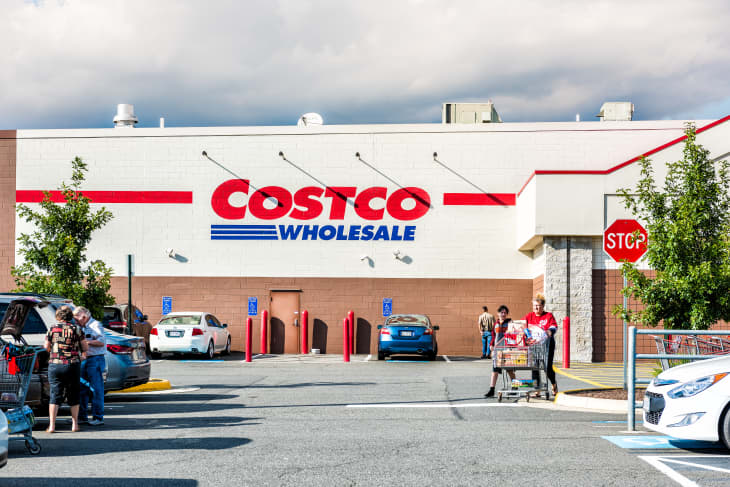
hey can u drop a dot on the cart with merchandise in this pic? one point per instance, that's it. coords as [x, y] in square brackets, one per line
[17, 364]
[16, 370]
[517, 352]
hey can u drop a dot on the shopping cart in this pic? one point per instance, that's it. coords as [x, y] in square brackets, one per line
[15, 375]
[688, 345]
[512, 354]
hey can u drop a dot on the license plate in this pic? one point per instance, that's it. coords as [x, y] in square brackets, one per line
[175, 333]
[406, 333]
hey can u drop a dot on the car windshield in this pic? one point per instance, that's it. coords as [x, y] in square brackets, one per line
[407, 320]
[181, 320]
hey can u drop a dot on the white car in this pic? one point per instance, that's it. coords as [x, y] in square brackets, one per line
[190, 332]
[691, 401]
[3, 440]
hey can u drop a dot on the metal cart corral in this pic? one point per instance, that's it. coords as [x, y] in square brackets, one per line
[15, 374]
[511, 358]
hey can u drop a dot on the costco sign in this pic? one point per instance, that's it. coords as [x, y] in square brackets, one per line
[310, 202]
[621, 244]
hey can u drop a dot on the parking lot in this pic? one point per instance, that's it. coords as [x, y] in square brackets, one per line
[291, 420]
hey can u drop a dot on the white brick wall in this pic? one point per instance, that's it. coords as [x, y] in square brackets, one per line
[451, 242]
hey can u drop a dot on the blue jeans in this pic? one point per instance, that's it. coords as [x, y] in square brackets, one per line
[486, 340]
[92, 370]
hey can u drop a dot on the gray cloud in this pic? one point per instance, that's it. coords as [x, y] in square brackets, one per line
[67, 64]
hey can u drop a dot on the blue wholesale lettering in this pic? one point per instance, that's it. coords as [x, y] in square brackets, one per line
[345, 232]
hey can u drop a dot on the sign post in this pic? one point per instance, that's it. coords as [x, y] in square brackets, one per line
[622, 245]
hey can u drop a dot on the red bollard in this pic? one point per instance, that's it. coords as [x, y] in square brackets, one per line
[345, 341]
[264, 331]
[351, 319]
[249, 339]
[566, 343]
[305, 331]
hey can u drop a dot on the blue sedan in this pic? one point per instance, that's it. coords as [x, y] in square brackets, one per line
[407, 334]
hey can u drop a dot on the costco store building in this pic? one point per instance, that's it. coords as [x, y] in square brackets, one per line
[439, 218]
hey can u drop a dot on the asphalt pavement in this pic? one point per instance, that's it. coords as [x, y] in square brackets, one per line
[318, 421]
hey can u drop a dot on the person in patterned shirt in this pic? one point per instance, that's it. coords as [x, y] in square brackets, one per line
[67, 345]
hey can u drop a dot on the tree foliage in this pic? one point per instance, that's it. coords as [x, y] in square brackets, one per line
[55, 252]
[688, 225]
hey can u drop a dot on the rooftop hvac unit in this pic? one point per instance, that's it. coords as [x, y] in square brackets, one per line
[469, 113]
[615, 111]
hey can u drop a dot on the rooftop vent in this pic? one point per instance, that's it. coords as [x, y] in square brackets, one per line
[125, 116]
[469, 113]
[616, 111]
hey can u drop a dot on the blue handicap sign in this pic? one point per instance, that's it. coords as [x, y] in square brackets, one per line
[253, 306]
[166, 305]
[387, 306]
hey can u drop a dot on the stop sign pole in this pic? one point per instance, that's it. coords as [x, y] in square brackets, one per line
[622, 244]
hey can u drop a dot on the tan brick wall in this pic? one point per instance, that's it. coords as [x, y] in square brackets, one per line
[538, 285]
[607, 328]
[7, 207]
[453, 304]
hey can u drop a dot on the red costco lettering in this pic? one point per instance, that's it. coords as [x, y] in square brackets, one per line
[395, 203]
[220, 200]
[270, 193]
[274, 202]
[362, 203]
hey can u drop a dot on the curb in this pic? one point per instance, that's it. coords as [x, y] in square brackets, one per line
[149, 386]
[591, 403]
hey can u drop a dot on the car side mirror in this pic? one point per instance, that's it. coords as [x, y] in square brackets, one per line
[380, 326]
[225, 325]
[435, 327]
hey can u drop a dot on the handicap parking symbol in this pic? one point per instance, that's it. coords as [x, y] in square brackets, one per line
[655, 442]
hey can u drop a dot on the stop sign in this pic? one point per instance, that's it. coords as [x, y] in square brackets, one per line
[619, 241]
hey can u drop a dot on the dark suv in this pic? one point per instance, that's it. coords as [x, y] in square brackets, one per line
[115, 318]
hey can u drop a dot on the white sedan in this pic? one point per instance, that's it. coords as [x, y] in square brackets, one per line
[691, 401]
[190, 332]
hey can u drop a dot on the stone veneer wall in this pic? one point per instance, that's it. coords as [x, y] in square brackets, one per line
[7, 207]
[453, 304]
[581, 292]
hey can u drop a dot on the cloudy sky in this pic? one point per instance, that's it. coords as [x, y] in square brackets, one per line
[237, 62]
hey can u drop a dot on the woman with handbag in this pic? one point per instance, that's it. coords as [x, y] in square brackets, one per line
[67, 345]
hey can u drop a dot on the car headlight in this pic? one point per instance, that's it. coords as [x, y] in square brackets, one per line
[663, 382]
[696, 386]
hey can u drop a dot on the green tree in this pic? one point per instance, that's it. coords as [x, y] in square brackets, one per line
[688, 225]
[54, 254]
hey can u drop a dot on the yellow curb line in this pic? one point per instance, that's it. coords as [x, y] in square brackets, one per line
[151, 385]
[597, 384]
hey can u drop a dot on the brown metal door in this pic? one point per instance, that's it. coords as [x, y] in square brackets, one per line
[284, 322]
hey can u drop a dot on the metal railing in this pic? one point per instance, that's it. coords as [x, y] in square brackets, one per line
[632, 356]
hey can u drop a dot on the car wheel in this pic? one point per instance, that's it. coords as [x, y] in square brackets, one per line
[227, 350]
[210, 352]
[725, 427]
[381, 356]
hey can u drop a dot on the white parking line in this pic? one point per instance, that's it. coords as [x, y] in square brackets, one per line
[439, 405]
[446, 357]
[655, 462]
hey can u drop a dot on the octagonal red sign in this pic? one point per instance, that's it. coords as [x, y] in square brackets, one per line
[619, 241]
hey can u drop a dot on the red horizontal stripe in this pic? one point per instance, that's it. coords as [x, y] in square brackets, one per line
[479, 199]
[155, 197]
[630, 161]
